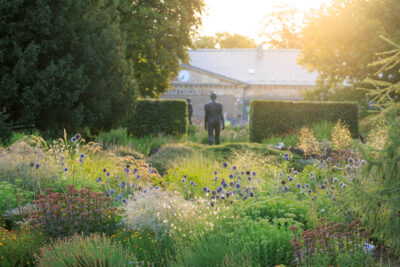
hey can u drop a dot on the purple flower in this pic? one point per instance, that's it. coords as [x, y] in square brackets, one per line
[311, 174]
[309, 191]
[215, 178]
[137, 176]
[335, 180]
[157, 187]
[298, 185]
[37, 165]
[111, 191]
[122, 185]
[290, 179]
[231, 176]
[254, 173]
[215, 172]
[307, 185]
[98, 180]
[191, 182]
[73, 139]
[295, 173]
[65, 169]
[249, 178]
[149, 165]
[224, 184]
[124, 200]
[108, 174]
[205, 189]
[104, 170]
[287, 156]
[183, 180]
[82, 155]
[134, 171]
[234, 168]
[237, 185]
[247, 173]
[81, 160]
[225, 165]
[251, 194]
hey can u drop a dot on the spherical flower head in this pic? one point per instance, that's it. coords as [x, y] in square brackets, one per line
[312, 178]
[108, 174]
[134, 171]
[254, 173]
[295, 172]
[98, 180]
[335, 180]
[191, 182]
[138, 176]
[286, 188]
[205, 189]
[249, 178]
[81, 160]
[212, 203]
[152, 171]
[231, 176]
[283, 182]
[219, 189]
[347, 167]
[124, 200]
[126, 170]
[237, 185]
[111, 191]
[248, 173]
[320, 167]
[73, 139]
[82, 155]
[183, 180]
[290, 179]
[218, 196]
[307, 186]
[251, 194]
[122, 185]
[65, 169]
[311, 174]
[145, 191]
[104, 170]
[234, 168]
[208, 190]
[215, 172]
[78, 136]
[309, 191]
[149, 165]
[37, 165]
[225, 165]
[363, 162]
[280, 188]
[185, 176]
[298, 185]
[344, 186]
[323, 186]
[287, 156]
[224, 184]
[329, 159]
[157, 187]
[231, 184]
[222, 197]
[215, 178]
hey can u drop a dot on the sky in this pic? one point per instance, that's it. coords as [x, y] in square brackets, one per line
[245, 17]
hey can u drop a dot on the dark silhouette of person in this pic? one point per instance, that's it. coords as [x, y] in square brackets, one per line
[214, 119]
[190, 110]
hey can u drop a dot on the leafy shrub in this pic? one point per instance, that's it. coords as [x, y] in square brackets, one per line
[17, 248]
[289, 209]
[76, 211]
[153, 117]
[12, 196]
[332, 244]
[240, 242]
[94, 250]
[5, 128]
[269, 117]
[341, 138]
[308, 143]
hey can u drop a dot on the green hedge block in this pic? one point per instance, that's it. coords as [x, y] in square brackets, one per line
[271, 117]
[153, 117]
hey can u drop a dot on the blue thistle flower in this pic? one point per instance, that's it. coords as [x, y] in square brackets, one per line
[320, 167]
[185, 176]
[231, 184]
[224, 184]
[237, 185]
[111, 191]
[215, 172]
[205, 189]
[98, 180]
[208, 190]
[344, 186]
[298, 185]
[104, 170]
[82, 155]
[108, 174]
[225, 165]
[323, 186]
[157, 187]
[65, 169]
[37, 165]
[290, 179]
[218, 196]
[149, 165]
[126, 170]
[251, 194]
[231, 176]
[81, 160]
[309, 191]
[73, 139]
[152, 171]
[134, 171]
[234, 168]
[145, 191]
[248, 173]
[340, 184]
[363, 162]
[295, 172]
[335, 180]
[254, 173]
[137, 176]
[124, 200]
[311, 174]
[219, 189]
[249, 178]
[312, 178]
[287, 188]
[183, 180]
[212, 203]
[287, 156]
[191, 182]
[307, 186]
[122, 185]
[281, 174]
[215, 178]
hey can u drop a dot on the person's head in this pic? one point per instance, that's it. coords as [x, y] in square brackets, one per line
[188, 100]
[213, 96]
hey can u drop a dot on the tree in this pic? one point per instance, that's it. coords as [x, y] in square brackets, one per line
[340, 40]
[282, 28]
[205, 42]
[61, 64]
[227, 40]
[158, 34]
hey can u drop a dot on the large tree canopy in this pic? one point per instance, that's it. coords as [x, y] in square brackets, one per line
[224, 40]
[341, 39]
[78, 63]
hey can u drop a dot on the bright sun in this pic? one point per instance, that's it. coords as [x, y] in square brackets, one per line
[246, 17]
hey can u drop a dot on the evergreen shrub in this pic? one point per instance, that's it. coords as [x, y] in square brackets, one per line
[153, 117]
[271, 117]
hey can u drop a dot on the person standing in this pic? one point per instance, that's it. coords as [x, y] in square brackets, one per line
[190, 110]
[214, 119]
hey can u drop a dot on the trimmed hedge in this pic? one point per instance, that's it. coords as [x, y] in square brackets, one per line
[153, 117]
[272, 117]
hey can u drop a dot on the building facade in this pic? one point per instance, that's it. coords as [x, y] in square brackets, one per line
[238, 76]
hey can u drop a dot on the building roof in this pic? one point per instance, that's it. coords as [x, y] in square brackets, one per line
[254, 66]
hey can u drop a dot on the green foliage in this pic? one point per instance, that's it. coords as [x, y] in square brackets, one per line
[283, 210]
[19, 247]
[223, 40]
[153, 117]
[342, 38]
[94, 250]
[240, 242]
[114, 137]
[227, 151]
[64, 65]
[269, 117]
[12, 196]
[157, 35]
[163, 159]
[377, 197]
[5, 128]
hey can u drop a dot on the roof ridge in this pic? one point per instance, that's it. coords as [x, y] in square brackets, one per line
[243, 49]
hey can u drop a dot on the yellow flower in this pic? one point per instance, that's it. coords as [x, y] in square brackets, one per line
[1, 244]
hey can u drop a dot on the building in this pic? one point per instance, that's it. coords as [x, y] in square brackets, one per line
[237, 76]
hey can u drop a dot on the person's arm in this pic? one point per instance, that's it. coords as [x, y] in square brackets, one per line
[205, 117]
[222, 118]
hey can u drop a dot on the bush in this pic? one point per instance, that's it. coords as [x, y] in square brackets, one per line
[76, 211]
[82, 251]
[269, 117]
[17, 248]
[163, 159]
[12, 196]
[114, 137]
[153, 117]
[5, 129]
[341, 138]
